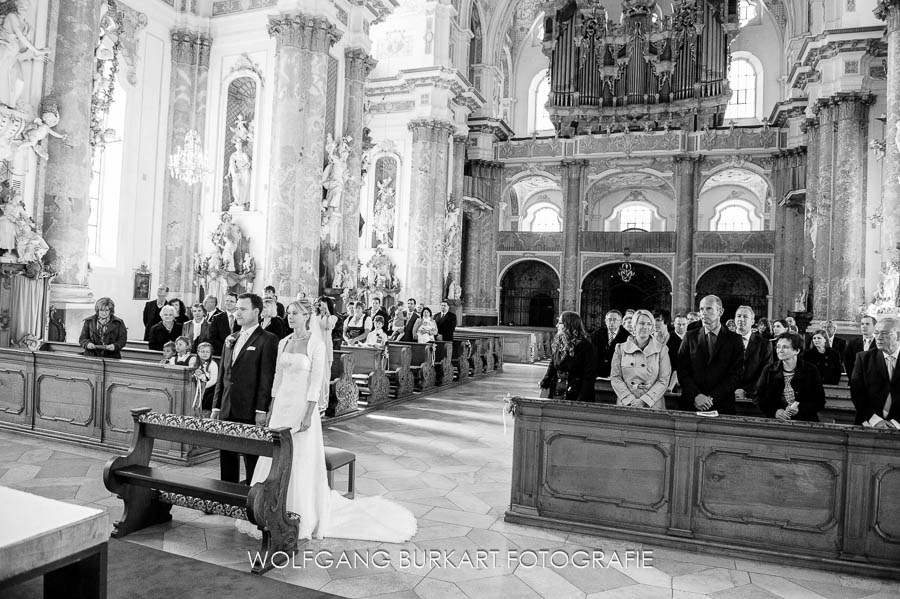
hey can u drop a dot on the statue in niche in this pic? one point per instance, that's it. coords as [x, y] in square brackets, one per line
[39, 129]
[334, 178]
[109, 37]
[378, 272]
[240, 167]
[341, 278]
[18, 230]
[888, 289]
[384, 213]
[15, 48]
[802, 294]
[226, 239]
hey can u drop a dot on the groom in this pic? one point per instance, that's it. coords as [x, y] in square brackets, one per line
[244, 389]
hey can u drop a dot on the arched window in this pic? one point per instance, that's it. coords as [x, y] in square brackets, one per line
[747, 12]
[734, 215]
[538, 94]
[475, 44]
[543, 217]
[743, 81]
[636, 217]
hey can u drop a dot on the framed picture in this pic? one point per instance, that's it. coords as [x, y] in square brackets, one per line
[141, 286]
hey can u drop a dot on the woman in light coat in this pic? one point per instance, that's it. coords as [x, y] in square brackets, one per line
[641, 368]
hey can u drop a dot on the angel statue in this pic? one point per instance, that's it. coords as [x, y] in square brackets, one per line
[15, 48]
[39, 129]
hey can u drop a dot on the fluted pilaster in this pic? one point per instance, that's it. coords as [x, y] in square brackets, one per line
[823, 205]
[573, 175]
[889, 11]
[686, 171]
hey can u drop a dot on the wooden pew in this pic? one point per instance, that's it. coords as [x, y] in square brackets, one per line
[369, 374]
[443, 362]
[128, 352]
[399, 370]
[492, 350]
[421, 363]
[149, 492]
[462, 349]
[515, 345]
[343, 396]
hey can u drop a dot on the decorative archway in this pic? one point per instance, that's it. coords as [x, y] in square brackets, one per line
[736, 285]
[529, 295]
[604, 289]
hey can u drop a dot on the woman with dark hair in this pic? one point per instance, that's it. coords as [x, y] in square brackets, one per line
[779, 327]
[763, 328]
[425, 329]
[103, 335]
[269, 320]
[181, 315]
[790, 389]
[826, 359]
[573, 362]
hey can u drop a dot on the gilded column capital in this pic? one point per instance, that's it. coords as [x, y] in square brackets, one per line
[430, 130]
[190, 47]
[888, 10]
[307, 32]
[358, 64]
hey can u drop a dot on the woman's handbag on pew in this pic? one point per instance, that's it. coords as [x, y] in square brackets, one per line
[555, 387]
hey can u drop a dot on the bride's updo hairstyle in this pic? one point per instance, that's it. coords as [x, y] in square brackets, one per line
[303, 305]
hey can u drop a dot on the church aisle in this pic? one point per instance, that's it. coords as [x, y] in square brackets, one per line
[443, 455]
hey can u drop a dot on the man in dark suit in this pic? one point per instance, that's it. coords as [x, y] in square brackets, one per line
[269, 293]
[757, 352]
[673, 344]
[875, 384]
[224, 324]
[378, 310]
[710, 362]
[836, 343]
[211, 305]
[859, 344]
[152, 308]
[410, 320]
[244, 389]
[446, 322]
[607, 346]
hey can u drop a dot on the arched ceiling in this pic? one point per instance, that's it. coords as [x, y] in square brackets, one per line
[741, 178]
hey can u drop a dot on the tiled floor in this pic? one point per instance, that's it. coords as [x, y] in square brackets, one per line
[446, 457]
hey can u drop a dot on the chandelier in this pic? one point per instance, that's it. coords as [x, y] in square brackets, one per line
[188, 163]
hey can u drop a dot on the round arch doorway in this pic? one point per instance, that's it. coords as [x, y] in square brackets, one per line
[604, 289]
[736, 286]
[529, 295]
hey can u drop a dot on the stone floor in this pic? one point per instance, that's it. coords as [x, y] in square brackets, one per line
[447, 458]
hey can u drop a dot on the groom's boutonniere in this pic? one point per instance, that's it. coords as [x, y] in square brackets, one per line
[230, 340]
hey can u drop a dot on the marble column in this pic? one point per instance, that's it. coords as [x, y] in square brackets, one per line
[823, 203]
[427, 209]
[297, 151]
[67, 185]
[357, 66]
[889, 10]
[686, 168]
[182, 202]
[482, 224]
[570, 285]
[812, 195]
[453, 226]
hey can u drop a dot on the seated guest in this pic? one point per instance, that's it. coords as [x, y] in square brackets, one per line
[153, 308]
[377, 337]
[103, 335]
[573, 365]
[357, 326]
[763, 328]
[426, 328]
[168, 352]
[183, 356]
[181, 315]
[271, 322]
[165, 330]
[196, 329]
[206, 375]
[640, 367]
[779, 327]
[790, 389]
[757, 353]
[826, 359]
[875, 384]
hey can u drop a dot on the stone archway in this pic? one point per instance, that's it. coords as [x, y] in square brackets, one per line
[736, 285]
[603, 289]
[529, 295]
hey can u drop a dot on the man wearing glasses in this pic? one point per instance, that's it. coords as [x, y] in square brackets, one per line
[875, 384]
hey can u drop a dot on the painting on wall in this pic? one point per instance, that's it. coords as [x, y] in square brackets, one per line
[141, 286]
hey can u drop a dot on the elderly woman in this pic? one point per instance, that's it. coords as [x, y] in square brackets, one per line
[826, 359]
[196, 329]
[573, 363]
[640, 369]
[165, 330]
[103, 335]
[790, 389]
[270, 321]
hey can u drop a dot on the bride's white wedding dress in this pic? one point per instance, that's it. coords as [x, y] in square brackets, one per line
[300, 378]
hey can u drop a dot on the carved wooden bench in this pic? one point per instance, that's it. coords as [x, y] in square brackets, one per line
[421, 363]
[369, 374]
[150, 492]
[443, 362]
[343, 396]
[399, 370]
[462, 349]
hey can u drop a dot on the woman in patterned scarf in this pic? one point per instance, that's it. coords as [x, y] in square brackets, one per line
[103, 335]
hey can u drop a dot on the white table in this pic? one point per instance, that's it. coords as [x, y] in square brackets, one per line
[65, 543]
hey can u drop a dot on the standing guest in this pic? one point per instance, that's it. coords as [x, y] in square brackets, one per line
[224, 324]
[397, 325]
[56, 329]
[710, 362]
[168, 352]
[662, 327]
[779, 327]
[573, 365]
[875, 384]
[693, 319]
[640, 367]
[426, 328]
[446, 322]
[181, 315]
[757, 353]
[269, 293]
[730, 325]
[398, 306]
[620, 336]
[826, 359]
[103, 335]
[679, 330]
[357, 327]
[627, 321]
[244, 389]
[411, 320]
[860, 344]
[211, 305]
[763, 328]
[165, 330]
[196, 329]
[183, 356]
[378, 310]
[377, 337]
[206, 375]
[836, 343]
[270, 322]
[153, 308]
[790, 389]
[333, 335]
[601, 339]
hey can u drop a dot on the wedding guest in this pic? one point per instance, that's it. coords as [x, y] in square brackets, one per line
[223, 324]
[165, 330]
[730, 325]
[56, 329]
[269, 293]
[183, 356]
[196, 329]
[411, 319]
[206, 375]
[640, 367]
[446, 322]
[332, 333]
[168, 352]
[757, 353]
[211, 305]
[398, 323]
[181, 315]
[790, 389]
[875, 384]
[425, 328]
[378, 310]
[763, 328]
[357, 327]
[860, 344]
[573, 365]
[153, 308]
[377, 337]
[103, 335]
[826, 359]
[606, 339]
[270, 320]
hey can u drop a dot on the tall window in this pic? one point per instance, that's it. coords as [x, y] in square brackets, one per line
[742, 80]
[537, 105]
[734, 218]
[636, 217]
[106, 185]
[746, 11]
[543, 217]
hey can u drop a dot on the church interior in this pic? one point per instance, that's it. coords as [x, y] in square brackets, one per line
[514, 159]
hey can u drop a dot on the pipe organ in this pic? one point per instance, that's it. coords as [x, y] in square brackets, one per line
[648, 69]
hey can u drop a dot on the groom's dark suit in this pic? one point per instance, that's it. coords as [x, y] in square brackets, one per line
[244, 388]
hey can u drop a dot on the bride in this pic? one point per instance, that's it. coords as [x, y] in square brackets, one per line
[301, 377]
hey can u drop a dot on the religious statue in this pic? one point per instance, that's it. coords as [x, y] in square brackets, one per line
[384, 213]
[226, 238]
[334, 178]
[239, 170]
[888, 290]
[18, 230]
[378, 273]
[802, 295]
[109, 37]
[40, 128]
[341, 276]
[15, 48]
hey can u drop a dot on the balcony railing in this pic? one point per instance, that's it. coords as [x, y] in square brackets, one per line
[526, 241]
[641, 242]
[638, 242]
[738, 242]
